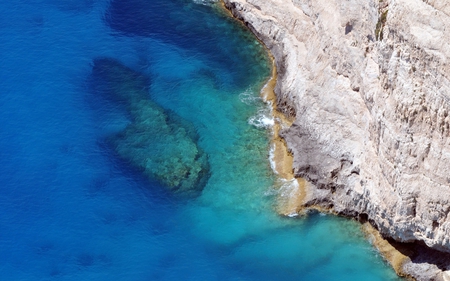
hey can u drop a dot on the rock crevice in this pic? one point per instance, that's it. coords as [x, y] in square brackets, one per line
[368, 85]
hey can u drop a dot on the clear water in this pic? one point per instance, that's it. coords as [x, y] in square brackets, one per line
[70, 209]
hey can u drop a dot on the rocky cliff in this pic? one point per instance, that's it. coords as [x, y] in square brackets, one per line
[367, 85]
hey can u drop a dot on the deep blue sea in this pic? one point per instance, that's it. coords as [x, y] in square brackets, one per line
[73, 208]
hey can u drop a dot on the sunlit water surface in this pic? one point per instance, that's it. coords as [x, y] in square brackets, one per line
[71, 209]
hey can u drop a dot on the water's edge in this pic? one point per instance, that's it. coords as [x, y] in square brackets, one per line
[103, 101]
[291, 200]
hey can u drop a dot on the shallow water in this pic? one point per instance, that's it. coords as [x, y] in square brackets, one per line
[72, 209]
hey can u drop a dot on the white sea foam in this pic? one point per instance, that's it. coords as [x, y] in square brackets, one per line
[261, 121]
[272, 191]
[248, 97]
[205, 2]
[263, 91]
[273, 164]
[285, 188]
[289, 189]
[288, 186]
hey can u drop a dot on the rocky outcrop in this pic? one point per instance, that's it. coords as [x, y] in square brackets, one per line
[367, 83]
[162, 145]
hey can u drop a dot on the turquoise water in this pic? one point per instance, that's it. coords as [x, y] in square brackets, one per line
[73, 208]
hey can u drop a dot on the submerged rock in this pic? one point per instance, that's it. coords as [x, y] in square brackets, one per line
[163, 146]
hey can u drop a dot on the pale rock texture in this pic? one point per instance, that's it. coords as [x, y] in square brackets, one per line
[372, 124]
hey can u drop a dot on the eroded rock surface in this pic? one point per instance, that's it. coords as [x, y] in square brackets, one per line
[161, 145]
[368, 85]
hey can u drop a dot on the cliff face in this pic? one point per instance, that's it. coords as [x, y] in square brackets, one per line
[368, 85]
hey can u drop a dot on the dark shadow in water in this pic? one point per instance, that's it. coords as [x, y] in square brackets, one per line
[419, 253]
[193, 27]
[157, 142]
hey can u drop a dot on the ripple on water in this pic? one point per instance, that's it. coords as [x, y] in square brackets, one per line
[71, 210]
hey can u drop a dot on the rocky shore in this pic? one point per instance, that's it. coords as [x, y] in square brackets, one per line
[366, 84]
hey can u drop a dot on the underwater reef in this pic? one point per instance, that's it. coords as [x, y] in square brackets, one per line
[158, 142]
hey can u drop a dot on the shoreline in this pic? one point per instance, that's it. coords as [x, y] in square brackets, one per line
[348, 172]
[390, 254]
[292, 192]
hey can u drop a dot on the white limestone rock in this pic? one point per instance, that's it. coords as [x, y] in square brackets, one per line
[372, 122]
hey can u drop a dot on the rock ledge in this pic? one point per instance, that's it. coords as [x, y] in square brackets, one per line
[367, 83]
